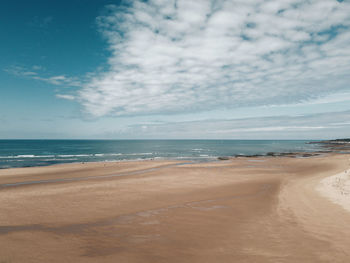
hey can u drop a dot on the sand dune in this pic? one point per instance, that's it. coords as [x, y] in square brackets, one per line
[240, 210]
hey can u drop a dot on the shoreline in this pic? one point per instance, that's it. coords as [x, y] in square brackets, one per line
[195, 159]
[244, 209]
[53, 154]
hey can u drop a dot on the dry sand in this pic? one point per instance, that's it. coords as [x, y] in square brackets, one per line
[337, 188]
[242, 210]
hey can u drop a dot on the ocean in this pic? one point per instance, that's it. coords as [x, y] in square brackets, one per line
[26, 153]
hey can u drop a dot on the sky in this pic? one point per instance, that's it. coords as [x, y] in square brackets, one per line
[185, 69]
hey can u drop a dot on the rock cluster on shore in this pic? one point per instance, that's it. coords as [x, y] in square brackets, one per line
[337, 145]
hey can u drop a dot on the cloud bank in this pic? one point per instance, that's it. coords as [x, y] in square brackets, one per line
[180, 56]
[312, 126]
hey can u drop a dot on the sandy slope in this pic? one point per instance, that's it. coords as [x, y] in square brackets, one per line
[242, 210]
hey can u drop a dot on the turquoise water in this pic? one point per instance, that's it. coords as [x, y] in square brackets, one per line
[23, 153]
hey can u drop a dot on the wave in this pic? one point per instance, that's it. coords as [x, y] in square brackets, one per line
[138, 153]
[97, 157]
[107, 154]
[20, 156]
[73, 155]
[26, 156]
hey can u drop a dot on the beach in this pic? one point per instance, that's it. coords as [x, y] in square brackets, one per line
[244, 209]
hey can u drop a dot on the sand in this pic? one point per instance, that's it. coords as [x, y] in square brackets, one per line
[267, 209]
[337, 188]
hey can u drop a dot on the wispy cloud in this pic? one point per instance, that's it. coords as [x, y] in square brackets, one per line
[181, 56]
[36, 72]
[65, 96]
[324, 125]
[22, 71]
[272, 129]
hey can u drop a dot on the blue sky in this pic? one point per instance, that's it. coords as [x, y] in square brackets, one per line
[175, 69]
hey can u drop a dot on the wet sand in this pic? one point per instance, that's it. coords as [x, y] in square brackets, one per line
[266, 209]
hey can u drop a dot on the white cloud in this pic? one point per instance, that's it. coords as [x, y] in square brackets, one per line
[178, 56]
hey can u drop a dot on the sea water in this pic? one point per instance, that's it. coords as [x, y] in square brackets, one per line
[24, 153]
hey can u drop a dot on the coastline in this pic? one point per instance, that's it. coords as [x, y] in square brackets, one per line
[245, 209]
[51, 152]
[201, 159]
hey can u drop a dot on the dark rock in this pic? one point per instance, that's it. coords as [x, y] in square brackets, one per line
[223, 158]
